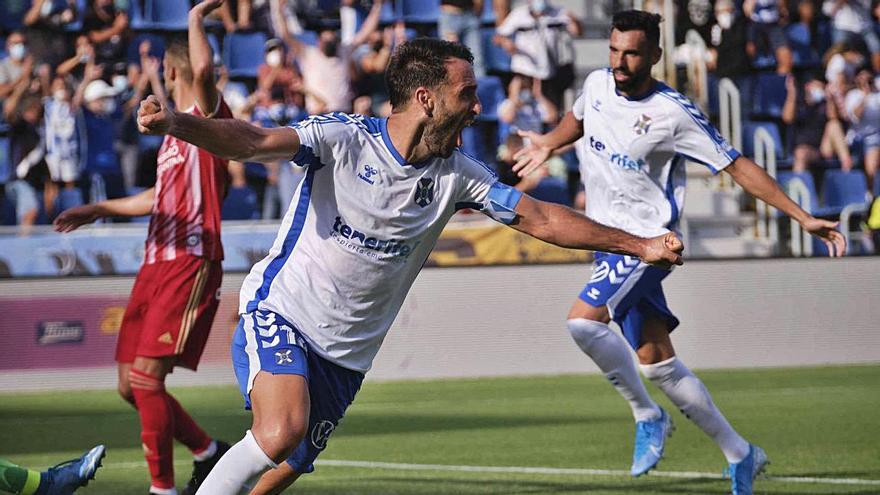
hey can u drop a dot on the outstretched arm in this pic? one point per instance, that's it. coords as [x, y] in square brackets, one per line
[541, 146]
[755, 181]
[200, 58]
[132, 206]
[232, 139]
[567, 228]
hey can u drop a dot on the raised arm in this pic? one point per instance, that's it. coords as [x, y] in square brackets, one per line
[232, 139]
[132, 206]
[200, 58]
[370, 24]
[567, 228]
[541, 146]
[757, 182]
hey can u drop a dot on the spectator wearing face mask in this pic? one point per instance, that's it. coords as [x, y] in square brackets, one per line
[328, 70]
[277, 76]
[766, 31]
[538, 37]
[525, 108]
[728, 38]
[863, 108]
[61, 135]
[817, 130]
[15, 67]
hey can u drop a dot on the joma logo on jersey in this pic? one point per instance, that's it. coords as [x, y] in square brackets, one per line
[619, 159]
[424, 192]
[367, 174]
[390, 246]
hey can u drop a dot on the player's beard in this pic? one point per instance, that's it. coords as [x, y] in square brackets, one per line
[441, 137]
[634, 81]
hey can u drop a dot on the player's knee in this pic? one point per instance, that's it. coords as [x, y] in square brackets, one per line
[585, 332]
[280, 436]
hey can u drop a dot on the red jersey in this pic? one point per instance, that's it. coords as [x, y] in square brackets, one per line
[190, 187]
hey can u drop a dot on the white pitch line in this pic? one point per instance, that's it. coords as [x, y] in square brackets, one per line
[539, 470]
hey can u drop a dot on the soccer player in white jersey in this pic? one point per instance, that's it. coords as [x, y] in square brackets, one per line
[637, 132]
[376, 194]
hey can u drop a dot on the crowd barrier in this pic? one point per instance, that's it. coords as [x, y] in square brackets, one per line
[483, 321]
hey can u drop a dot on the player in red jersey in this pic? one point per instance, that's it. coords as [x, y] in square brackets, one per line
[176, 293]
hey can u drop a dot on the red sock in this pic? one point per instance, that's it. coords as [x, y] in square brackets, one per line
[157, 426]
[186, 431]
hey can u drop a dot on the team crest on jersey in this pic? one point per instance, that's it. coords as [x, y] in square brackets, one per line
[424, 192]
[642, 125]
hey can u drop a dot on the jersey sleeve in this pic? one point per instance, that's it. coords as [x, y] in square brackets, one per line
[483, 191]
[315, 136]
[699, 141]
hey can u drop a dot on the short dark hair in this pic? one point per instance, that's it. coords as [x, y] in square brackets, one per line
[638, 20]
[177, 48]
[420, 62]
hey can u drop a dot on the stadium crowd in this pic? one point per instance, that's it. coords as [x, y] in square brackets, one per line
[72, 73]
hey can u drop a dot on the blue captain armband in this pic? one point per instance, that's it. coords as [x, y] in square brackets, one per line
[501, 203]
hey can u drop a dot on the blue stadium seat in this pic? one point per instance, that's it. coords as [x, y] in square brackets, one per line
[876, 188]
[553, 190]
[470, 141]
[157, 47]
[12, 14]
[240, 204]
[496, 59]
[388, 15]
[158, 15]
[840, 189]
[243, 53]
[487, 18]
[68, 198]
[800, 41]
[807, 178]
[748, 137]
[7, 212]
[419, 11]
[769, 96]
[491, 93]
[76, 24]
[308, 37]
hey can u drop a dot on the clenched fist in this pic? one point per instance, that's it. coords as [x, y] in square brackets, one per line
[153, 118]
[663, 251]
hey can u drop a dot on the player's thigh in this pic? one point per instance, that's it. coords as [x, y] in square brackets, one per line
[655, 345]
[581, 309]
[275, 480]
[134, 319]
[280, 404]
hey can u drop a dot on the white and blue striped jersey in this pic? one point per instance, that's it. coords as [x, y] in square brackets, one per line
[633, 152]
[357, 232]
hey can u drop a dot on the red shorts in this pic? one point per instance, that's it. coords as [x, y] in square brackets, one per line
[171, 309]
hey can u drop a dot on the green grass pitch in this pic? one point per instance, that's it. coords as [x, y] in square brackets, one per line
[815, 423]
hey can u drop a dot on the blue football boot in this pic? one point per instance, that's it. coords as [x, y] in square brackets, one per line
[650, 441]
[743, 473]
[65, 478]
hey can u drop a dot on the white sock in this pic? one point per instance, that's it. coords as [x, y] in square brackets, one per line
[207, 453]
[611, 353]
[689, 394]
[237, 468]
[162, 491]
